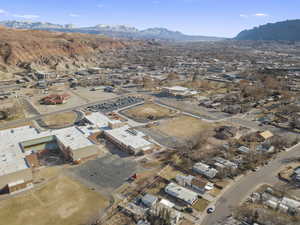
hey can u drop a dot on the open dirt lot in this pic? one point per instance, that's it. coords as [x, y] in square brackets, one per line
[6, 76]
[200, 205]
[13, 108]
[148, 112]
[119, 218]
[60, 119]
[184, 127]
[61, 201]
[169, 173]
[91, 96]
[178, 131]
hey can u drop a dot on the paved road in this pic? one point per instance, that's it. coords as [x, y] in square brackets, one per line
[235, 194]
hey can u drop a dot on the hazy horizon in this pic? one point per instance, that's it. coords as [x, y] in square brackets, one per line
[194, 17]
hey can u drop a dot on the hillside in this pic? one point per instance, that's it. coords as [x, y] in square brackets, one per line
[281, 31]
[118, 31]
[53, 50]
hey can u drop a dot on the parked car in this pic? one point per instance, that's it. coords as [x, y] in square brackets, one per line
[211, 210]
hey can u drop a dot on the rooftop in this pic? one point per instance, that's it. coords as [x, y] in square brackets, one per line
[177, 88]
[181, 193]
[129, 137]
[100, 120]
[12, 158]
[266, 134]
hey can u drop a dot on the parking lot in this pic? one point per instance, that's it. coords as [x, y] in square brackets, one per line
[108, 172]
[110, 106]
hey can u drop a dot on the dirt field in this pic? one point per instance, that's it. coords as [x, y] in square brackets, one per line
[5, 127]
[200, 205]
[119, 218]
[61, 119]
[184, 127]
[91, 96]
[13, 108]
[62, 201]
[6, 76]
[149, 111]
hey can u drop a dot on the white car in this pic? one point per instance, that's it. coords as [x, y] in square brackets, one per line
[209, 186]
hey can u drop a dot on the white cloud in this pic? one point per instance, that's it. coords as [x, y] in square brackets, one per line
[74, 15]
[26, 16]
[254, 15]
[100, 5]
[244, 16]
[261, 15]
[3, 12]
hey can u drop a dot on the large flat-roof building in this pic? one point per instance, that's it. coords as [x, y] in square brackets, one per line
[179, 91]
[103, 121]
[18, 143]
[129, 140]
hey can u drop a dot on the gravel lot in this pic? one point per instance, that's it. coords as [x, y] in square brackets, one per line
[91, 96]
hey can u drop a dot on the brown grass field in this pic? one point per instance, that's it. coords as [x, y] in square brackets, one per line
[61, 201]
[61, 119]
[201, 204]
[184, 127]
[169, 173]
[145, 111]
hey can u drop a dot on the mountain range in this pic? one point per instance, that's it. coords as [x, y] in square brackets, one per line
[281, 31]
[43, 50]
[118, 31]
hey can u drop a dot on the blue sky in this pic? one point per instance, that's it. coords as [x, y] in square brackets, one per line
[203, 17]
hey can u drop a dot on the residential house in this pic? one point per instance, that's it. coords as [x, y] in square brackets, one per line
[205, 170]
[149, 200]
[197, 184]
[181, 193]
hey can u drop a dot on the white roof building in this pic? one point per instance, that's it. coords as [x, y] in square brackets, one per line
[181, 193]
[205, 170]
[100, 120]
[128, 138]
[12, 159]
[12, 156]
[166, 203]
[226, 162]
[291, 203]
[180, 91]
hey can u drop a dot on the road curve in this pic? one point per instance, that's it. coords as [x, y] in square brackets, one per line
[240, 189]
